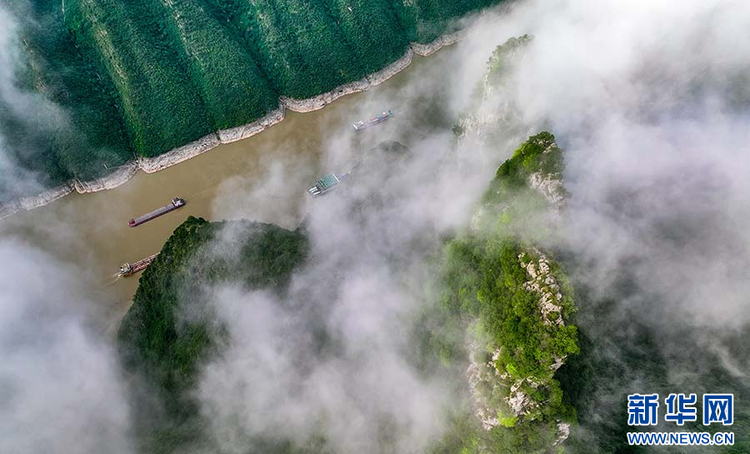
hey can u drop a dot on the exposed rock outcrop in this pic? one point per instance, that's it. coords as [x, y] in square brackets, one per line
[113, 180]
[543, 284]
[29, 203]
[550, 186]
[518, 401]
[243, 132]
[178, 155]
[483, 374]
[430, 48]
[563, 432]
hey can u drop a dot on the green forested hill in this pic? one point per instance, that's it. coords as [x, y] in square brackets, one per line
[139, 78]
[517, 303]
[165, 351]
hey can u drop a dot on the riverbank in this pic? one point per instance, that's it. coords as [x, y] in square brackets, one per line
[173, 157]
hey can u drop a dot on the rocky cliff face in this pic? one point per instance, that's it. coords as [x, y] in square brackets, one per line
[514, 293]
[489, 382]
[517, 302]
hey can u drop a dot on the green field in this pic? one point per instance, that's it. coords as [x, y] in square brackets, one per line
[129, 79]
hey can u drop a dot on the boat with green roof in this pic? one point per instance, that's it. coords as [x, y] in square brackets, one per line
[326, 184]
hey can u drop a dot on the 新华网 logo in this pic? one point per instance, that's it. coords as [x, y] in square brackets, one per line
[718, 408]
[643, 410]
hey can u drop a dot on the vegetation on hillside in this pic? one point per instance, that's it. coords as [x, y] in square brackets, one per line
[516, 302]
[502, 57]
[143, 77]
[170, 329]
[66, 122]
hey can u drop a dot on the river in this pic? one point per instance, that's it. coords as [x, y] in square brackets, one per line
[264, 178]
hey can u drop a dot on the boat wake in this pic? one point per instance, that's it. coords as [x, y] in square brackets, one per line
[113, 279]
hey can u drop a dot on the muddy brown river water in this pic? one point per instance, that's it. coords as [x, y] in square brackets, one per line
[264, 178]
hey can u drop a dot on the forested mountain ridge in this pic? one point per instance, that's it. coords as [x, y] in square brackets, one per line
[516, 303]
[493, 117]
[138, 79]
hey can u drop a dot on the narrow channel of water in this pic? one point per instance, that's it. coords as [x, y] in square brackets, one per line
[264, 178]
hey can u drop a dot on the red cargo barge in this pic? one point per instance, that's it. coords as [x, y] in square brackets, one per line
[128, 269]
[176, 203]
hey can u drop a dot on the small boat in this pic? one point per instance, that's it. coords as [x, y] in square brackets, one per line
[360, 125]
[326, 184]
[175, 204]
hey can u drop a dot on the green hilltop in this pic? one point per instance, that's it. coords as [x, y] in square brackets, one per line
[143, 77]
[163, 350]
[515, 302]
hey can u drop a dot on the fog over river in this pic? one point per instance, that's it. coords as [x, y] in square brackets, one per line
[276, 167]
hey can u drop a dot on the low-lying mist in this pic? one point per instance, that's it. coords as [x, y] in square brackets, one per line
[648, 98]
[61, 390]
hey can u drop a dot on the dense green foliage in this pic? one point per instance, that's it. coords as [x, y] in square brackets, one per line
[487, 281]
[143, 77]
[528, 158]
[150, 78]
[511, 205]
[65, 123]
[425, 20]
[170, 329]
[466, 436]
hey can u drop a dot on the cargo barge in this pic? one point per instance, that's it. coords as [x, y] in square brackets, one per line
[326, 184]
[360, 125]
[175, 204]
[129, 269]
